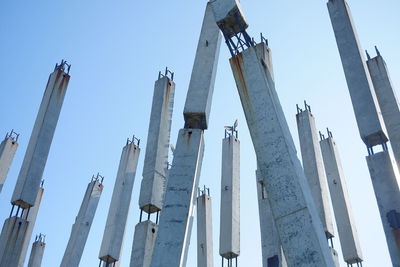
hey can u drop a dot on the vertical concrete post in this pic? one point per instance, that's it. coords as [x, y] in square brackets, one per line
[83, 222]
[32, 168]
[314, 167]
[114, 231]
[8, 147]
[229, 237]
[35, 260]
[349, 241]
[142, 249]
[204, 230]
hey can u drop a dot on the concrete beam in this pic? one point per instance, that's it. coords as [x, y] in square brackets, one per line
[8, 147]
[205, 256]
[11, 240]
[35, 260]
[143, 244]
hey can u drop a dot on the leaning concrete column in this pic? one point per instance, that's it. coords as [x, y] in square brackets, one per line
[7, 151]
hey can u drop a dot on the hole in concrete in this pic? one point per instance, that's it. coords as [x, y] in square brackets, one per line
[153, 230]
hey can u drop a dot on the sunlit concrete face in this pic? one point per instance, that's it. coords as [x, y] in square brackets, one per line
[82, 225]
[368, 115]
[36, 257]
[204, 231]
[175, 222]
[229, 235]
[229, 15]
[114, 231]
[143, 244]
[12, 238]
[156, 158]
[349, 241]
[31, 172]
[201, 87]
[8, 147]
[296, 217]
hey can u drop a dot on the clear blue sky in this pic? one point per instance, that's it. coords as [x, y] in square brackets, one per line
[117, 48]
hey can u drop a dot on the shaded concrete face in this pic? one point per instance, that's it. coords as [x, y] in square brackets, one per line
[270, 244]
[296, 217]
[201, 87]
[229, 235]
[349, 241]
[11, 240]
[314, 168]
[32, 168]
[204, 232]
[114, 231]
[384, 175]
[81, 227]
[175, 221]
[143, 244]
[229, 15]
[35, 260]
[158, 139]
[365, 105]
[387, 101]
[7, 151]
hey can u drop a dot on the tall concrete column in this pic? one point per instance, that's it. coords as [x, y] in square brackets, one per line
[205, 256]
[143, 245]
[349, 241]
[83, 222]
[35, 260]
[8, 147]
[111, 246]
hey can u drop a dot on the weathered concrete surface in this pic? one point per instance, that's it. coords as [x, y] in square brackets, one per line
[201, 86]
[32, 168]
[175, 227]
[349, 241]
[335, 257]
[33, 212]
[314, 168]
[114, 231]
[205, 256]
[81, 227]
[229, 235]
[385, 177]
[7, 151]
[296, 217]
[270, 244]
[35, 260]
[387, 101]
[229, 15]
[143, 244]
[153, 185]
[11, 240]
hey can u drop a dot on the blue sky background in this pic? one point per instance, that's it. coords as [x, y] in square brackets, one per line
[117, 48]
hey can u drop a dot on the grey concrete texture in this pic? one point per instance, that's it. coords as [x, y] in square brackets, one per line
[387, 100]
[313, 166]
[30, 175]
[385, 177]
[271, 246]
[8, 147]
[229, 16]
[81, 227]
[205, 253]
[347, 230]
[143, 244]
[365, 105]
[113, 236]
[229, 235]
[295, 214]
[11, 240]
[158, 139]
[335, 257]
[175, 221]
[36, 257]
[201, 87]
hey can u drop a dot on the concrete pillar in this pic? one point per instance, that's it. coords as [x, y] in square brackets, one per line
[205, 256]
[272, 254]
[153, 185]
[8, 147]
[83, 222]
[174, 231]
[387, 101]
[295, 214]
[229, 236]
[349, 241]
[314, 167]
[114, 231]
[31, 218]
[365, 105]
[35, 260]
[384, 180]
[142, 249]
